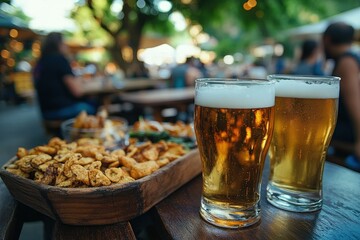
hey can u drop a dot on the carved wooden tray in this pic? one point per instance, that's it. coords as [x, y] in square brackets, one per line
[103, 205]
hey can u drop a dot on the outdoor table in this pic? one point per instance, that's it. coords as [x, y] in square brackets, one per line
[159, 99]
[107, 89]
[177, 216]
[338, 219]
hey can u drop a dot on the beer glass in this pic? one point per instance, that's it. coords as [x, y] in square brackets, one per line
[233, 124]
[305, 112]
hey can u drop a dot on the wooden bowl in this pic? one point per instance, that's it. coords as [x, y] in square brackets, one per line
[103, 205]
[112, 137]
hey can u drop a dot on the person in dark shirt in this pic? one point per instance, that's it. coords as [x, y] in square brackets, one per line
[309, 61]
[337, 41]
[184, 75]
[59, 91]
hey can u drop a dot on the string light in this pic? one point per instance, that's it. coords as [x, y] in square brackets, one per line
[13, 33]
[5, 53]
[10, 62]
[249, 5]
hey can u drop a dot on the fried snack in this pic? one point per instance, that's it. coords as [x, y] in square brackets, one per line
[86, 163]
[162, 162]
[127, 161]
[60, 178]
[98, 178]
[46, 149]
[118, 153]
[22, 152]
[80, 119]
[81, 174]
[114, 164]
[38, 176]
[178, 129]
[151, 153]
[143, 169]
[18, 172]
[56, 143]
[50, 175]
[95, 165]
[45, 165]
[25, 163]
[114, 174]
[126, 179]
[39, 160]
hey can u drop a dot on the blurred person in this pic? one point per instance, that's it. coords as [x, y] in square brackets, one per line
[60, 93]
[138, 70]
[257, 70]
[184, 75]
[202, 68]
[309, 63]
[337, 41]
[279, 65]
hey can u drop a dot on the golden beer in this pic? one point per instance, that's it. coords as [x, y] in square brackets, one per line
[233, 139]
[305, 119]
[298, 155]
[233, 144]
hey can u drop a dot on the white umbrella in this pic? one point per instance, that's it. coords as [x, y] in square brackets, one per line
[350, 17]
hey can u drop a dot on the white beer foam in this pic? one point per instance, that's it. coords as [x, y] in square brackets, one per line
[236, 96]
[301, 89]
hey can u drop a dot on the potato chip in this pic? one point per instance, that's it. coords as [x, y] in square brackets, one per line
[114, 174]
[85, 160]
[151, 153]
[162, 162]
[127, 161]
[22, 152]
[98, 178]
[81, 174]
[46, 149]
[143, 169]
[40, 159]
[86, 163]
[25, 163]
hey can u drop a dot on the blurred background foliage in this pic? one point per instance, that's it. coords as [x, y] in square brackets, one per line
[230, 25]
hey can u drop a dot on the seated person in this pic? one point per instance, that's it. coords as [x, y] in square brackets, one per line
[309, 62]
[337, 41]
[60, 93]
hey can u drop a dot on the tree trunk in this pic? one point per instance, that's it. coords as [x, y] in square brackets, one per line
[116, 54]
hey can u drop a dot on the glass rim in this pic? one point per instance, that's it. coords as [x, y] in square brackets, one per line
[234, 81]
[288, 77]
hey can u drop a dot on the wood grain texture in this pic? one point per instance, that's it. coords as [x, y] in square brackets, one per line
[160, 97]
[104, 205]
[113, 231]
[339, 218]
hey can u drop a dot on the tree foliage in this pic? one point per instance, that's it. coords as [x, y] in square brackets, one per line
[226, 20]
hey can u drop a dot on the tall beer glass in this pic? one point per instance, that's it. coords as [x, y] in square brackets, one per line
[305, 112]
[233, 125]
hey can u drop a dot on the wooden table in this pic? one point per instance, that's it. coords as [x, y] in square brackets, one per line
[338, 219]
[106, 89]
[159, 99]
[177, 217]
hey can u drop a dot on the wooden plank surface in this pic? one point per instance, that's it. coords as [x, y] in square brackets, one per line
[95, 87]
[339, 218]
[113, 231]
[159, 97]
